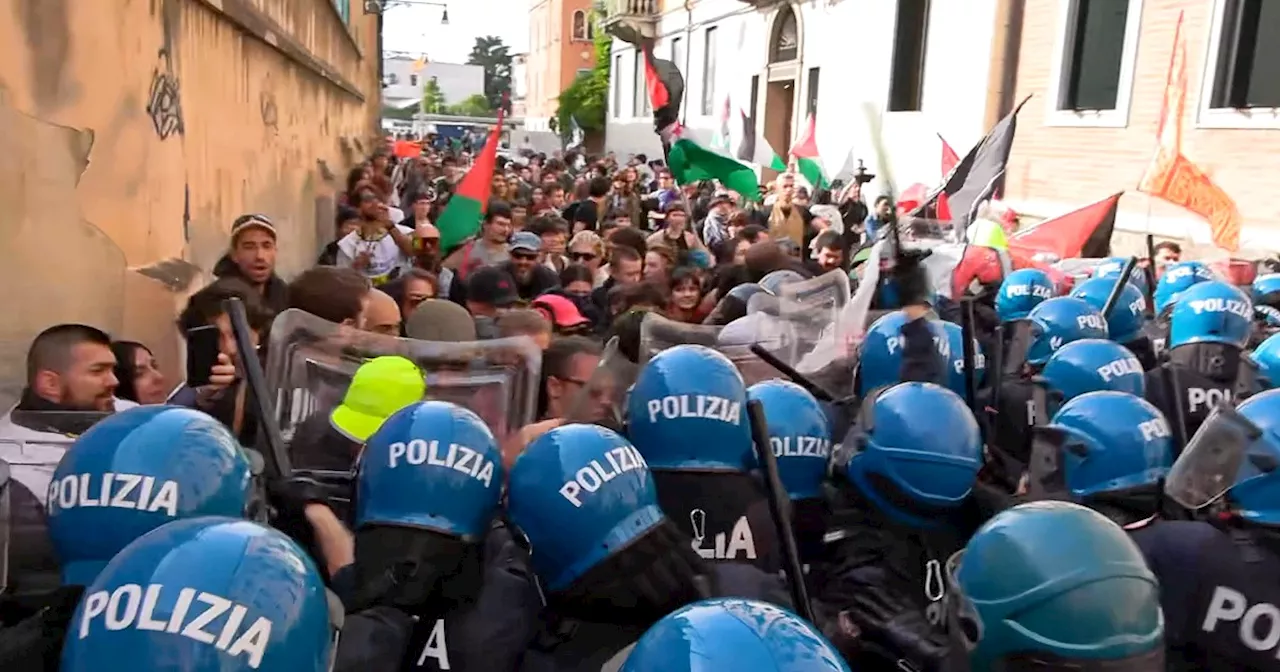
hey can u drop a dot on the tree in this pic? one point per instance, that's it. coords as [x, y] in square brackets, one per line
[586, 101]
[494, 56]
[433, 101]
[475, 106]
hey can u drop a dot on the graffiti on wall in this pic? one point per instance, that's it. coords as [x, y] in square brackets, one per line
[164, 104]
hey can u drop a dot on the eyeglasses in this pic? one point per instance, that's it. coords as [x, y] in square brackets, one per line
[582, 256]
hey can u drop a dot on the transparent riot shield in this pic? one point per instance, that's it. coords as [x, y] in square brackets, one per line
[734, 340]
[311, 361]
[833, 358]
[602, 399]
[1225, 450]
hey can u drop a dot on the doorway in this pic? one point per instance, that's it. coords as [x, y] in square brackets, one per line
[779, 108]
[782, 77]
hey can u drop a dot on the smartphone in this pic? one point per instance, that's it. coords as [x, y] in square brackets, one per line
[202, 354]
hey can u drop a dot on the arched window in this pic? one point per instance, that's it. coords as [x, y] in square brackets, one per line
[785, 45]
[579, 25]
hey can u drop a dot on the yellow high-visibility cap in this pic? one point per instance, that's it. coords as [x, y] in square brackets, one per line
[380, 387]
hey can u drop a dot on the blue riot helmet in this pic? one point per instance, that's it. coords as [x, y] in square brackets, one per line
[1236, 453]
[955, 359]
[1092, 365]
[1266, 289]
[1267, 357]
[798, 433]
[687, 411]
[1124, 324]
[577, 495]
[1178, 278]
[1060, 321]
[880, 358]
[776, 280]
[1021, 291]
[1113, 267]
[1102, 442]
[1043, 582]
[135, 471]
[916, 452]
[1211, 312]
[205, 594]
[433, 466]
[733, 634]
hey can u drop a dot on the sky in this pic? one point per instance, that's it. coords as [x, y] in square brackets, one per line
[417, 29]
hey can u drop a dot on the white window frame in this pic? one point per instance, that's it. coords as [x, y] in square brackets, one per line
[1116, 118]
[1257, 118]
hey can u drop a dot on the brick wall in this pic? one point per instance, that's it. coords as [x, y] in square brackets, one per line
[1054, 169]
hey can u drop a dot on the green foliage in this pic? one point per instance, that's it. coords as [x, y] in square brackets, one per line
[433, 101]
[586, 101]
[475, 106]
[490, 53]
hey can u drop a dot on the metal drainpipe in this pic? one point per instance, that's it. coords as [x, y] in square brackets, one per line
[1002, 77]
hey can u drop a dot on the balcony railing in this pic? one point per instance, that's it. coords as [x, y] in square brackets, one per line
[634, 10]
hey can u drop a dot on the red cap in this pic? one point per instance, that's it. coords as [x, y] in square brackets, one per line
[560, 311]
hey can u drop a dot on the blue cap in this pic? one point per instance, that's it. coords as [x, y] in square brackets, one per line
[733, 634]
[1211, 312]
[798, 433]
[135, 471]
[525, 241]
[203, 595]
[432, 465]
[687, 411]
[578, 494]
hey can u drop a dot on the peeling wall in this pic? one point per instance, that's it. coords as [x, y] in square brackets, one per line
[134, 131]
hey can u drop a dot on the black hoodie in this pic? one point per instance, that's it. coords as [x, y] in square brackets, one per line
[276, 293]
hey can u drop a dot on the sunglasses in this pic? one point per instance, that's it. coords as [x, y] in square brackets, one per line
[582, 256]
[524, 256]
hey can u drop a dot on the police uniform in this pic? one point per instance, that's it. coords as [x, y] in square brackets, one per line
[1219, 595]
[1199, 394]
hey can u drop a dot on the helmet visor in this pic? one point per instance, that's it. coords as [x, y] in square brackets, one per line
[1149, 661]
[602, 398]
[1214, 459]
[1046, 470]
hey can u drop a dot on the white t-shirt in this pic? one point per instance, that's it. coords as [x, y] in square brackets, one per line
[385, 257]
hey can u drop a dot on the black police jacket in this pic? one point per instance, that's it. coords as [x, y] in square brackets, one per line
[565, 644]
[1219, 594]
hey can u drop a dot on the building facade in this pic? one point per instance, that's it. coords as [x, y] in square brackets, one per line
[560, 46]
[1099, 81]
[404, 76]
[519, 84]
[899, 72]
[136, 132]
[885, 79]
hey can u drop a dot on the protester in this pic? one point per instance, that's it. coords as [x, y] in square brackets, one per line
[253, 259]
[532, 278]
[139, 378]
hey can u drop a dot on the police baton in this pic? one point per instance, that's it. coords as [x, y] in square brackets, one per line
[1173, 392]
[1150, 272]
[819, 392]
[970, 366]
[778, 505]
[276, 457]
[1114, 297]
[997, 365]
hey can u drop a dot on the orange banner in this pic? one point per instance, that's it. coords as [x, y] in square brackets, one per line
[1178, 180]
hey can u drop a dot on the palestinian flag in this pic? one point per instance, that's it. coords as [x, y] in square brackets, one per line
[755, 149]
[461, 217]
[1085, 232]
[805, 152]
[689, 161]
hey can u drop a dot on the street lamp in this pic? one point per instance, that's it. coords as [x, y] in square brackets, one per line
[382, 6]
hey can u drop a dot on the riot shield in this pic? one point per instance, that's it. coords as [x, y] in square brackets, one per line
[833, 358]
[734, 340]
[602, 399]
[311, 361]
[1224, 451]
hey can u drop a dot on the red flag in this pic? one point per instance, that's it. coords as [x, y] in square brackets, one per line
[1080, 233]
[806, 146]
[461, 217]
[949, 158]
[658, 94]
